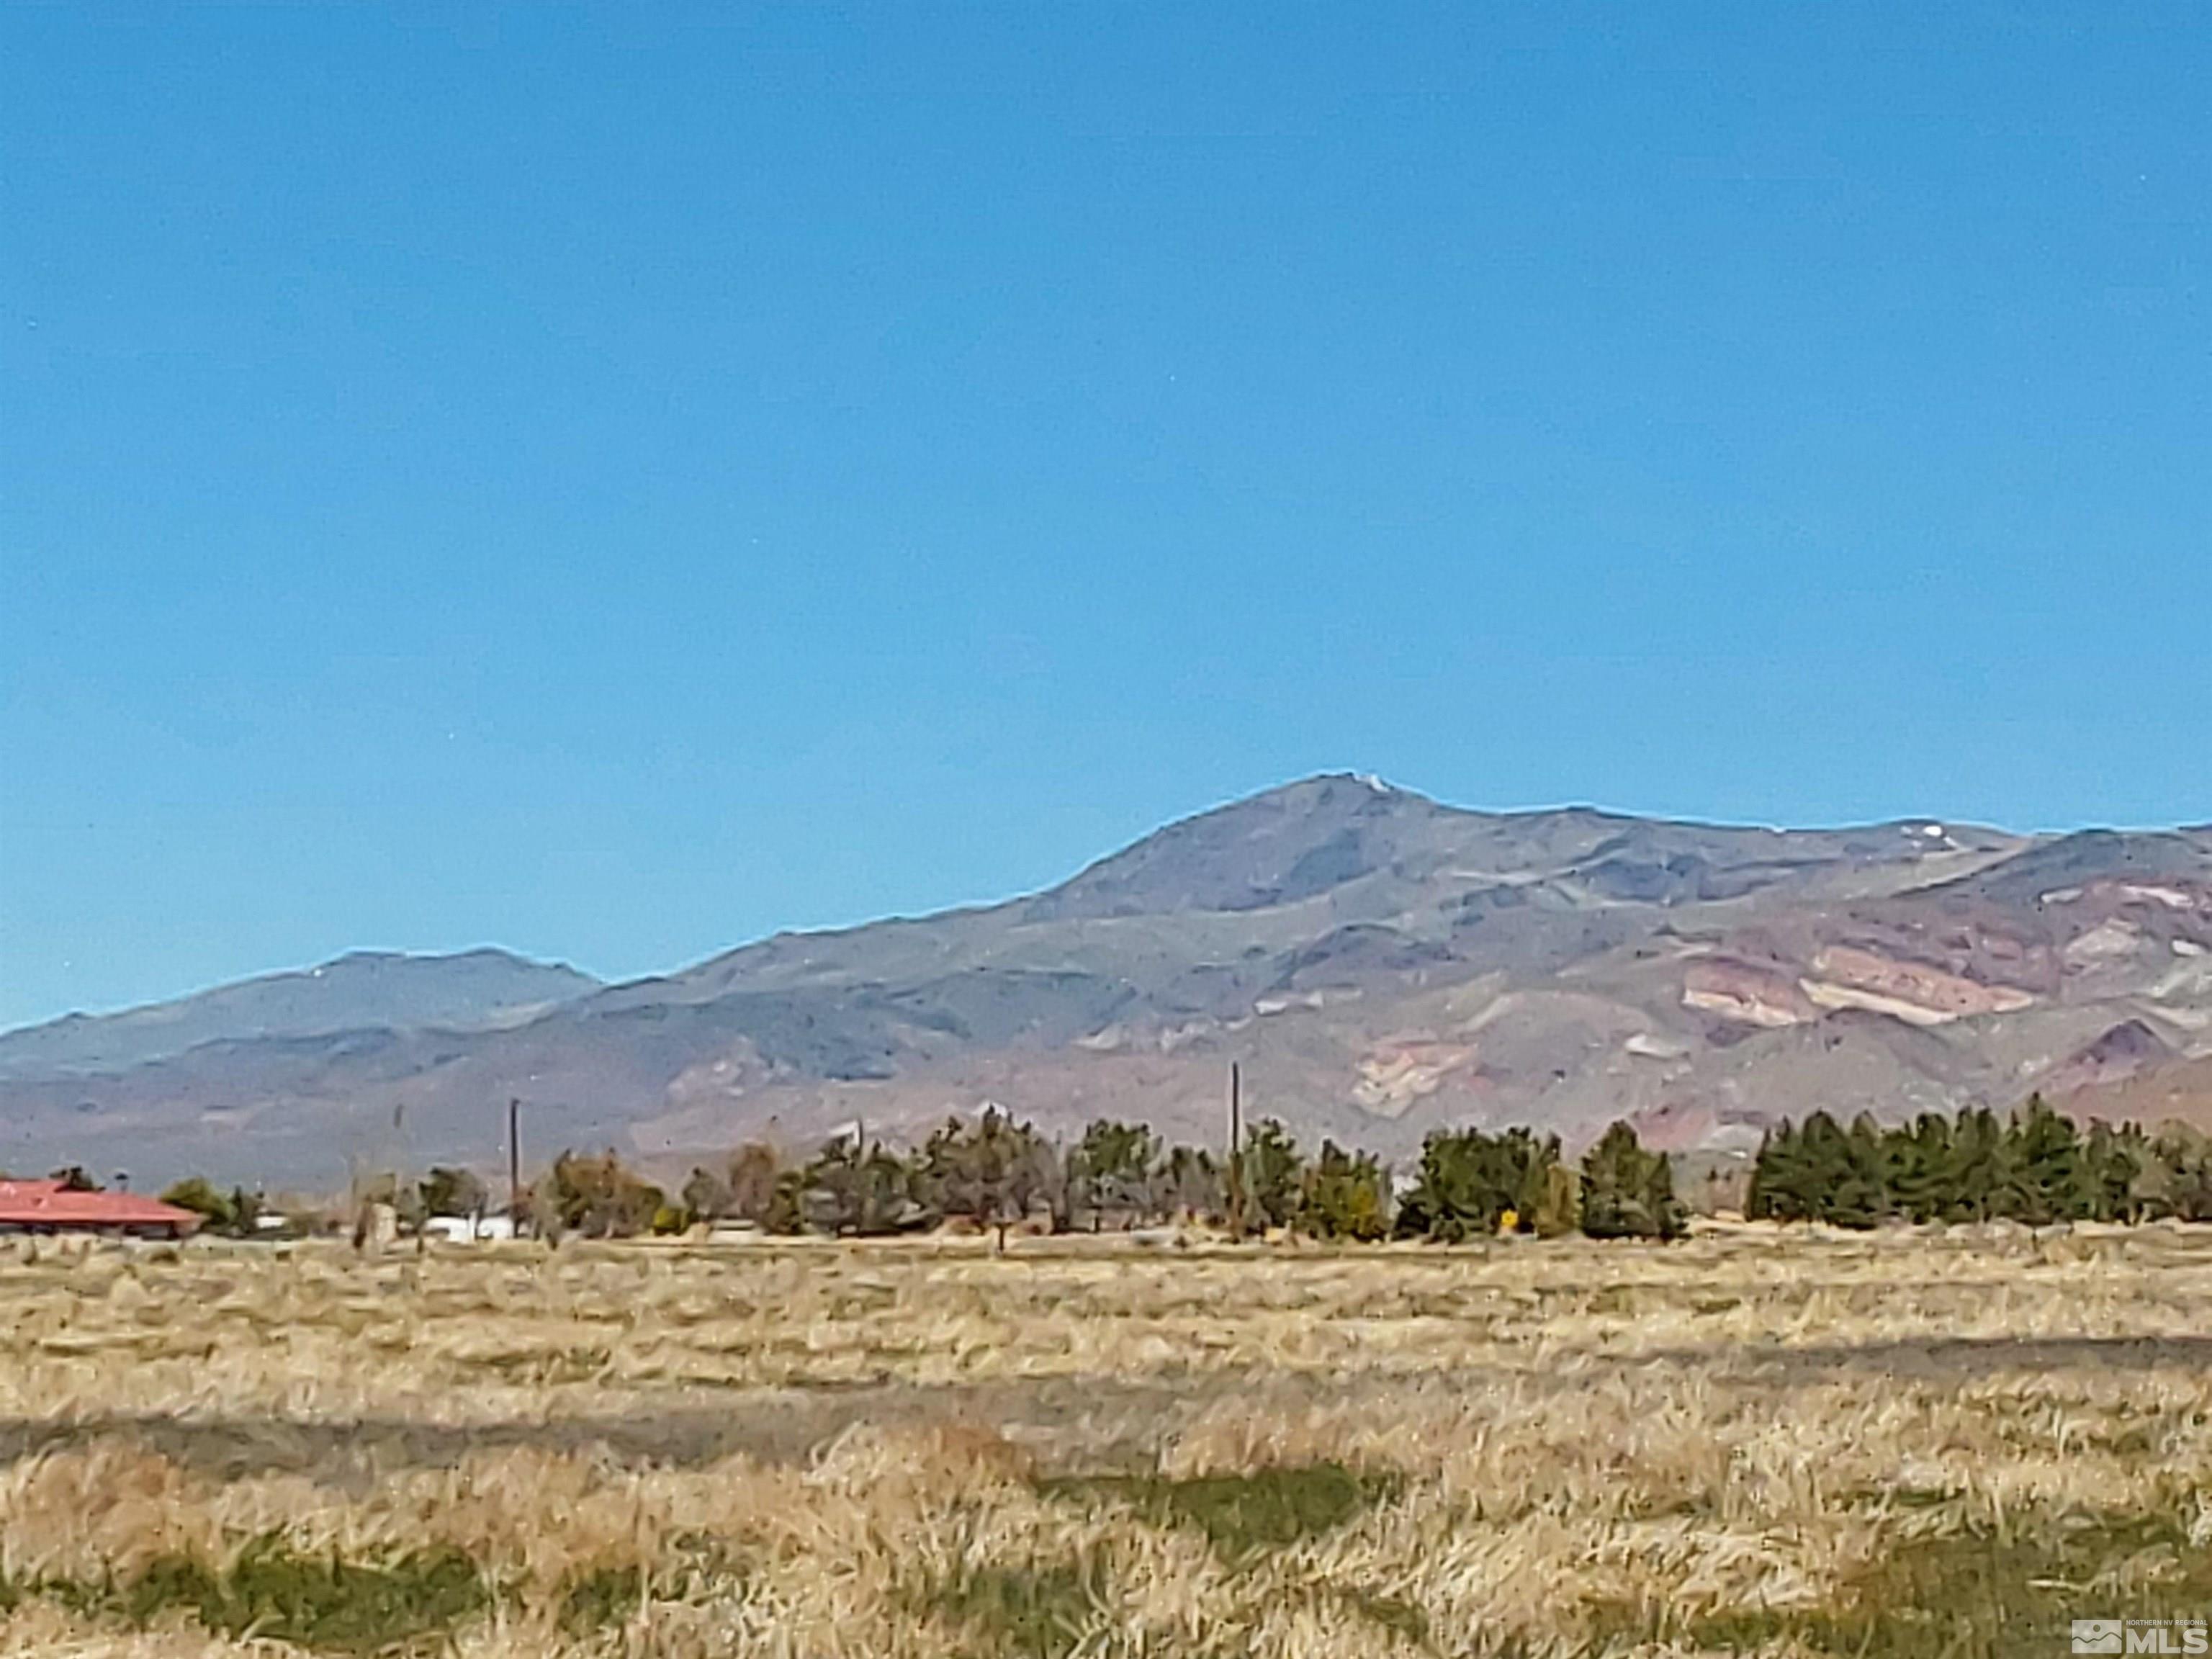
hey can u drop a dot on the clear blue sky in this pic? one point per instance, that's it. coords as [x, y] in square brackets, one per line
[614, 484]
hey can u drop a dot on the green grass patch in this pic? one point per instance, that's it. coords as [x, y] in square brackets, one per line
[610, 1596]
[1390, 1613]
[1021, 1612]
[1242, 1516]
[325, 1603]
[1981, 1593]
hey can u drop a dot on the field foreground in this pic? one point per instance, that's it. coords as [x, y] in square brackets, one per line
[1880, 1445]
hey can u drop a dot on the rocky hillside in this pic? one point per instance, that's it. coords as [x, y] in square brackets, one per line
[1380, 963]
[359, 991]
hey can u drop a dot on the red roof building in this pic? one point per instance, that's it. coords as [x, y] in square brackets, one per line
[46, 1206]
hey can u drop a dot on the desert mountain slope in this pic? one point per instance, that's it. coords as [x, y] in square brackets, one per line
[1379, 962]
[360, 990]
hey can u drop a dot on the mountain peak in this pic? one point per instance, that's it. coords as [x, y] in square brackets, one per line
[1281, 846]
[1322, 783]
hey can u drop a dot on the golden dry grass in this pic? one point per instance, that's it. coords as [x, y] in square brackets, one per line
[1893, 1444]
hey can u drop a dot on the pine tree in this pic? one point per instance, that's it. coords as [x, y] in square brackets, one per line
[855, 1187]
[1189, 1183]
[1627, 1191]
[1920, 1165]
[1470, 1183]
[1347, 1196]
[2112, 1161]
[1273, 1172]
[1527, 1164]
[1825, 1158]
[1796, 1175]
[993, 1172]
[1110, 1171]
[2176, 1179]
[1767, 1198]
[1859, 1196]
[2045, 1158]
[1981, 1172]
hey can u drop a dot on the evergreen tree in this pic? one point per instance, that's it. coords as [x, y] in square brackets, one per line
[852, 1188]
[1189, 1183]
[1767, 1197]
[1273, 1172]
[2045, 1154]
[1627, 1192]
[1859, 1196]
[1826, 1156]
[1346, 1195]
[1787, 1180]
[1920, 1168]
[1469, 1182]
[2176, 1179]
[1110, 1172]
[995, 1172]
[1526, 1163]
[2112, 1159]
[1981, 1177]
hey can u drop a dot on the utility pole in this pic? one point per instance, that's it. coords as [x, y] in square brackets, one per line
[1235, 1150]
[514, 1166]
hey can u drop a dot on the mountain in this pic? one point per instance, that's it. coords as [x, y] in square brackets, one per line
[1379, 963]
[360, 991]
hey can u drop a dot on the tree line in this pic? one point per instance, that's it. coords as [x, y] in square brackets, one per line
[2035, 1167]
[995, 1174]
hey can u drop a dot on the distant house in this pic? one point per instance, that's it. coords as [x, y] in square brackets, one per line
[48, 1207]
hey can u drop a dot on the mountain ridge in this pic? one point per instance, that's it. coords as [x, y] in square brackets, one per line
[1380, 963]
[459, 989]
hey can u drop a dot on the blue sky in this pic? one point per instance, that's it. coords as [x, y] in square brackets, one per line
[614, 484]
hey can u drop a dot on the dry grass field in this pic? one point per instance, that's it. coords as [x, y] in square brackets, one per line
[1871, 1446]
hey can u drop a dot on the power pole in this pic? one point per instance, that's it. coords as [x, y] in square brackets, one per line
[1235, 1150]
[514, 1166]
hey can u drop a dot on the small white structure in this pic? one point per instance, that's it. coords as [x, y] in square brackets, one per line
[468, 1229]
